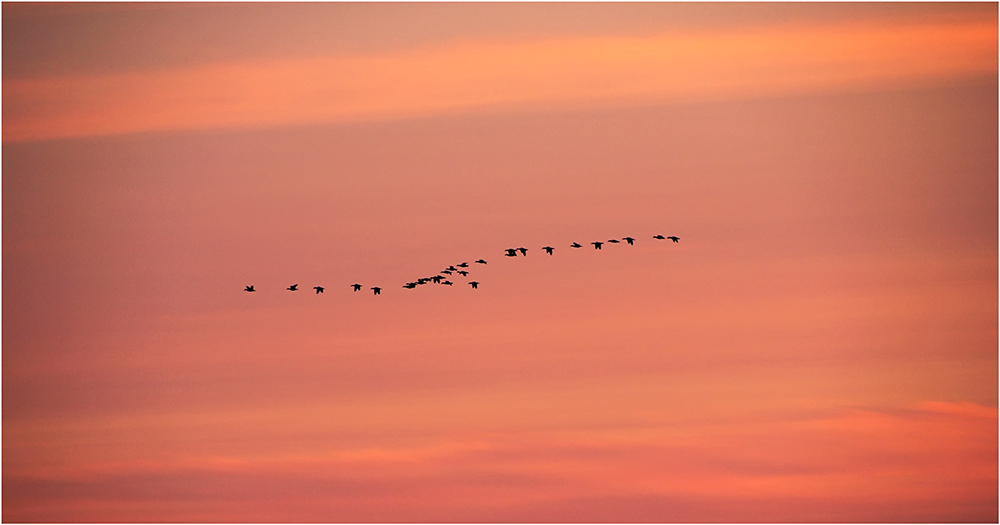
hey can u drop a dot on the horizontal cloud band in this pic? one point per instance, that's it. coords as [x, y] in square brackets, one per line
[554, 73]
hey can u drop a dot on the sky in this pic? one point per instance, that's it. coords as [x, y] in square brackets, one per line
[820, 345]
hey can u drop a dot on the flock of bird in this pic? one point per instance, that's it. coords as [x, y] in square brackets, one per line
[442, 277]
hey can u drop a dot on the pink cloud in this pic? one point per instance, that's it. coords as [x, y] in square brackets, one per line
[853, 466]
[579, 71]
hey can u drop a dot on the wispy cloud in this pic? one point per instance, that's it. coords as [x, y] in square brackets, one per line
[560, 72]
[842, 466]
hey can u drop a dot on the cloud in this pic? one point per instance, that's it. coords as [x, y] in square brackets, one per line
[567, 72]
[961, 408]
[851, 465]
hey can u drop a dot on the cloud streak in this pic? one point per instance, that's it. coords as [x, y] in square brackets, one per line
[844, 465]
[573, 72]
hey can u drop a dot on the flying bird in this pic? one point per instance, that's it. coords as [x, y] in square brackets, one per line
[449, 283]
[674, 238]
[463, 273]
[293, 288]
[576, 245]
[475, 285]
[463, 265]
[377, 290]
[659, 237]
[452, 268]
[511, 252]
[524, 251]
[410, 285]
[629, 240]
[615, 241]
[446, 271]
[481, 261]
[356, 287]
[437, 279]
[548, 249]
[319, 289]
[597, 245]
[249, 289]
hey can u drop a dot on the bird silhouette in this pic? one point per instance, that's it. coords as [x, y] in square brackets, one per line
[410, 285]
[446, 271]
[463, 265]
[463, 273]
[597, 245]
[437, 279]
[524, 251]
[422, 280]
[377, 290]
[319, 289]
[249, 289]
[449, 283]
[356, 287]
[576, 245]
[452, 268]
[628, 240]
[481, 261]
[614, 241]
[659, 237]
[674, 238]
[293, 288]
[548, 249]
[511, 252]
[475, 285]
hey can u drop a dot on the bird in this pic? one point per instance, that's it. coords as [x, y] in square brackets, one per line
[481, 261]
[449, 283]
[475, 284]
[548, 249]
[422, 280]
[249, 288]
[376, 290]
[437, 279]
[524, 251]
[511, 252]
[446, 271]
[674, 238]
[628, 240]
[463, 265]
[452, 268]
[294, 288]
[576, 245]
[410, 285]
[319, 289]
[463, 273]
[614, 241]
[356, 287]
[597, 245]
[659, 237]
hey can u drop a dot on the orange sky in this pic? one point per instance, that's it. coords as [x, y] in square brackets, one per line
[820, 346]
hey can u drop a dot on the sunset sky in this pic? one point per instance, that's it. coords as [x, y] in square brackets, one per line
[821, 345]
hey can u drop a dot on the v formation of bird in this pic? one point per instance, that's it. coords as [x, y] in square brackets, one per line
[460, 269]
